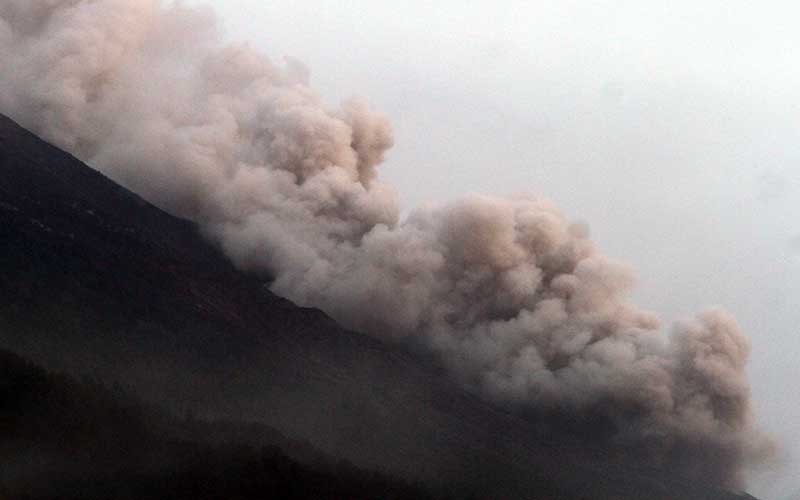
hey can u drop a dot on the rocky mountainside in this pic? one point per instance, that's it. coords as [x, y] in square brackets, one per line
[96, 282]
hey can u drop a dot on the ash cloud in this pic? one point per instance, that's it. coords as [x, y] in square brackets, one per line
[511, 297]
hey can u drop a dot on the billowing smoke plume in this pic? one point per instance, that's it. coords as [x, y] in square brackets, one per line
[511, 297]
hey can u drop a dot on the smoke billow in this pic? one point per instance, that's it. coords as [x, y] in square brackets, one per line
[511, 297]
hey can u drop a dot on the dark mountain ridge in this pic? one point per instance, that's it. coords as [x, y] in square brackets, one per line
[94, 280]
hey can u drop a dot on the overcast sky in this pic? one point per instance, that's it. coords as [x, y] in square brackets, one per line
[672, 128]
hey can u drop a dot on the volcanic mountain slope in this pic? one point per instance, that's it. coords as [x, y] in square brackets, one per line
[94, 280]
[90, 441]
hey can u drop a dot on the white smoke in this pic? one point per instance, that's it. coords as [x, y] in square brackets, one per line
[511, 297]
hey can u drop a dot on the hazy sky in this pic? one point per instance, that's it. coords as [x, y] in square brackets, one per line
[672, 128]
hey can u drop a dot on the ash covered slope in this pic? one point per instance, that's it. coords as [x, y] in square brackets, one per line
[95, 280]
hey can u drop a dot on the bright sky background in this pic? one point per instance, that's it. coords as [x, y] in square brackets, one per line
[672, 128]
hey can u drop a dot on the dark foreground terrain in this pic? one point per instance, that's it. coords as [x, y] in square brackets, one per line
[68, 439]
[184, 378]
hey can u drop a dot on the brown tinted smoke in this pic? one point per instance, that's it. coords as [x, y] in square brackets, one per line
[511, 297]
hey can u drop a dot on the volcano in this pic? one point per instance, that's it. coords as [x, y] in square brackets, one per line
[101, 287]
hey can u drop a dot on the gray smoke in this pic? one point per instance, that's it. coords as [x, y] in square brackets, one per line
[512, 298]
